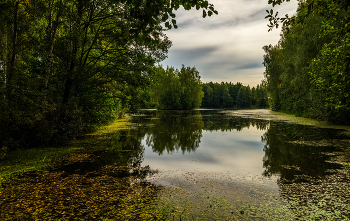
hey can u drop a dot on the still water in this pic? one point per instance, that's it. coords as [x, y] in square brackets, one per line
[190, 165]
[212, 153]
[211, 141]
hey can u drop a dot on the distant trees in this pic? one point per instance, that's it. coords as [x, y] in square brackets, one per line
[175, 89]
[308, 71]
[228, 95]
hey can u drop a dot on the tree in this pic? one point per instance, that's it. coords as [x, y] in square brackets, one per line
[192, 93]
[208, 96]
[228, 95]
[177, 89]
[307, 73]
[244, 97]
[67, 67]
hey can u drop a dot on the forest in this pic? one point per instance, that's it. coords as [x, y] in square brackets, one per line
[173, 89]
[236, 96]
[68, 67]
[307, 72]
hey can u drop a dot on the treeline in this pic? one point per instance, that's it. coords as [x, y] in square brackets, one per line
[173, 89]
[228, 95]
[67, 67]
[307, 72]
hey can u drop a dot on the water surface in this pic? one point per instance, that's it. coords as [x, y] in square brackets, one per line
[210, 141]
[191, 165]
[210, 153]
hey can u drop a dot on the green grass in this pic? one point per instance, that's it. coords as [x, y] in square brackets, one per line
[21, 161]
[32, 159]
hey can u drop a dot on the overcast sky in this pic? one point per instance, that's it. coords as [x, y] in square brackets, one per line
[227, 46]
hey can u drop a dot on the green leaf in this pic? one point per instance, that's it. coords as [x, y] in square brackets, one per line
[210, 13]
[205, 4]
[204, 13]
[165, 17]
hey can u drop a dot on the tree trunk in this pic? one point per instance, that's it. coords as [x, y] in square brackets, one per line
[51, 35]
[11, 67]
[67, 87]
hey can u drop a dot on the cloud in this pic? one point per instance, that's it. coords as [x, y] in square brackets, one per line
[228, 46]
[250, 66]
[192, 54]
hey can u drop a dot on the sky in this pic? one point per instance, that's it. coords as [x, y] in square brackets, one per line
[228, 46]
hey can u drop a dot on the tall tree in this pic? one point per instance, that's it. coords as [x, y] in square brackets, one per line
[307, 72]
[177, 89]
[68, 66]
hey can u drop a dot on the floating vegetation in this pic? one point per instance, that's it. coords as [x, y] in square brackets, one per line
[220, 196]
[319, 199]
[103, 176]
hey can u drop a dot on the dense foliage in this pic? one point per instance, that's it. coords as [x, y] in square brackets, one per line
[174, 89]
[228, 95]
[307, 72]
[67, 67]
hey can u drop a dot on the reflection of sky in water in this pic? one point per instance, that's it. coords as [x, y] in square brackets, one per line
[232, 165]
[219, 151]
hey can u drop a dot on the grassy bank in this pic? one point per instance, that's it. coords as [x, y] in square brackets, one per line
[87, 179]
[20, 161]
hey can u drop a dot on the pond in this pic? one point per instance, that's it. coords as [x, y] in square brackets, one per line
[192, 165]
[214, 154]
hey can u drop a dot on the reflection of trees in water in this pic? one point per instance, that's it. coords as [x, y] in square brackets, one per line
[285, 153]
[182, 130]
[122, 150]
[174, 131]
[296, 162]
[312, 190]
[229, 123]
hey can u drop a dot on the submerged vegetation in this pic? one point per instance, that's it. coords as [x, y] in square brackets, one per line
[103, 176]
